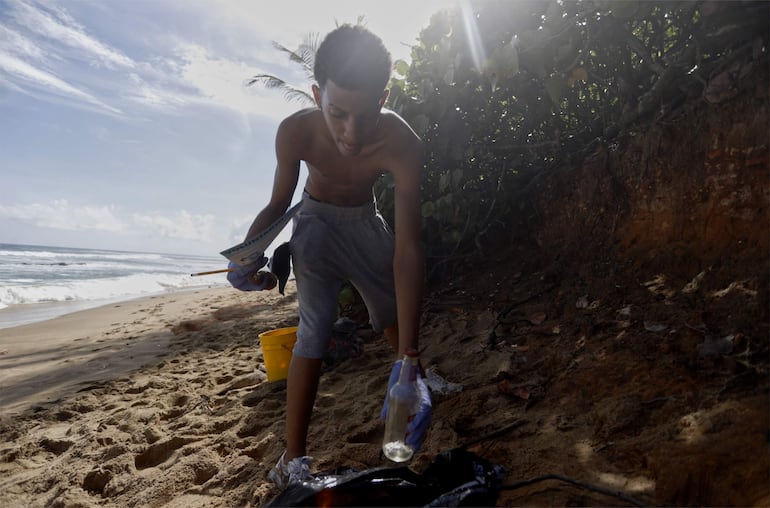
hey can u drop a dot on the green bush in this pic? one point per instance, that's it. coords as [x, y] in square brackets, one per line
[501, 91]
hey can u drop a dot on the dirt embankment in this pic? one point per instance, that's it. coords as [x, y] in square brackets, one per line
[633, 309]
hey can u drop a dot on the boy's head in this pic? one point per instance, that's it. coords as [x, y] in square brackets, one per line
[353, 58]
[352, 68]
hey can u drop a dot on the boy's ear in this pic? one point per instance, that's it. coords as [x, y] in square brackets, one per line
[317, 95]
[384, 97]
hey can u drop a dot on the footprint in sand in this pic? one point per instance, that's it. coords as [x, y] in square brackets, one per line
[54, 439]
[266, 413]
[56, 446]
[160, 452]
[96, 480]
[251, 379]
[370, 434]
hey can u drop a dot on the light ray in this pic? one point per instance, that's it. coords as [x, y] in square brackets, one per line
[472, 33]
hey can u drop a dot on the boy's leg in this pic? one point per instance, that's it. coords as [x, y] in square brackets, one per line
[301, 388]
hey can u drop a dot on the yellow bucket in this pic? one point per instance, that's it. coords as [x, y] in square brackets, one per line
[277, 346]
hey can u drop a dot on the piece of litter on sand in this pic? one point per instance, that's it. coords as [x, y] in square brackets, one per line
[438, 384]
[715, 347]
[652, 326]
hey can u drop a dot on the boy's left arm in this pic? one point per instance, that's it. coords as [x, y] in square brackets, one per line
[409, 274]
[408, 259]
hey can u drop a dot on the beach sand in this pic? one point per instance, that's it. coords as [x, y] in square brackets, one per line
[163, 401]
[44, 361]
[120, 397]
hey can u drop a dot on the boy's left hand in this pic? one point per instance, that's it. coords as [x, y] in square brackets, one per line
[417, 427]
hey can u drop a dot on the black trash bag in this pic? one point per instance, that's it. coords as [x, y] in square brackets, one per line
[280, 265]
[455, 478]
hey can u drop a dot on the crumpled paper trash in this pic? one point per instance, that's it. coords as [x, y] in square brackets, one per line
[438, 384]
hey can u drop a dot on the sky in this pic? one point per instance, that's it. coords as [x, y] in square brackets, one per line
[127, 125]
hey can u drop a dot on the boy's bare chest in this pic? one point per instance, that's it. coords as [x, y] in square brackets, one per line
[326, 162]
[341, 185]
[347, 174]
[342, 181]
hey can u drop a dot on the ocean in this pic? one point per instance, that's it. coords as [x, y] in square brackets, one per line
[39, 283]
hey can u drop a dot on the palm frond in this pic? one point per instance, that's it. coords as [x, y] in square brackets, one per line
[304, 55]
[308, 48]
[294, 56]
[290, 93]
[266, 80]
[293, 94]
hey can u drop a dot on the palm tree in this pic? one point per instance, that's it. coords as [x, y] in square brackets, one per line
[304, 55]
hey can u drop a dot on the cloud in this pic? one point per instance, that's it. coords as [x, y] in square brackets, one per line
[60, 28]
[221, 82]
[60, 214]
[182, 225]
[16, 43]
[239, 37]
[397, 22]
[31, 51]
[44, 81]
[203, 59]
[142, 90]
[63, 215]
[46, 53]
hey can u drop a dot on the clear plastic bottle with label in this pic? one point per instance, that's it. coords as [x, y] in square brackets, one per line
[403, 404]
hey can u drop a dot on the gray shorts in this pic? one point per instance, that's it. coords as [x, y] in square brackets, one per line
[331, 244]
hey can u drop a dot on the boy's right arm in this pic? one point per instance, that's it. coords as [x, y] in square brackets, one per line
[288, 158]
[284, 183]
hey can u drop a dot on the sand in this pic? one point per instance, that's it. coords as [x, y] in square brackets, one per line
[148, 376]
[163, 401]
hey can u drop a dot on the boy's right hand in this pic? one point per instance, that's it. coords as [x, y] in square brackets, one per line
[249, 278]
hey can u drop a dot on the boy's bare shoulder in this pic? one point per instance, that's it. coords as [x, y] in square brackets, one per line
[403, 138]
[296, 132]
[302, 119]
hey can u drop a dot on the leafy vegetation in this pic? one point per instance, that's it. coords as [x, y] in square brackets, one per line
[503, 91]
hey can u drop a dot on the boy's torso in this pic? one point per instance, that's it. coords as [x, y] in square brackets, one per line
[340, 180]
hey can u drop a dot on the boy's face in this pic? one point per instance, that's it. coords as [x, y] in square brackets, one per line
[351, 115]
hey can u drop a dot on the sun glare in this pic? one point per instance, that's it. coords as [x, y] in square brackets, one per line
[472, 33]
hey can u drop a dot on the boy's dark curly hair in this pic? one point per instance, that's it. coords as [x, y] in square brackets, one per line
[353, 58]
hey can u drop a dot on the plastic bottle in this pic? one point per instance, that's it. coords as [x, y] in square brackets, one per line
[403, 404]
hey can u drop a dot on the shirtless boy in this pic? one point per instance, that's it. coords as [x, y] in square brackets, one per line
[347, 142]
